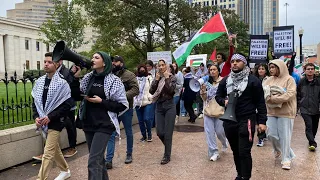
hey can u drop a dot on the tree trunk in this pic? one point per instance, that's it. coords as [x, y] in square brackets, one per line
[149, 39]
[167, 39]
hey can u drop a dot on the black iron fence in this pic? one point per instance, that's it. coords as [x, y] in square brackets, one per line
[15, 99]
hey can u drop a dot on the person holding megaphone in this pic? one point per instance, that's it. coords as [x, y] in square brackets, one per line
[189, 96]
[212, 124]
[245, 95]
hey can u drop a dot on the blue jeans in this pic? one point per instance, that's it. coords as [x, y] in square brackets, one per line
[145, 116]
[182, 109]
[176, 99]
[126, 119]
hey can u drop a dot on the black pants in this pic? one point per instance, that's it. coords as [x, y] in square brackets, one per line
[165, 119]
[238, 137]
[71, 129]
[261, 135]
[189, 109]
[311, 122]
[97, 142]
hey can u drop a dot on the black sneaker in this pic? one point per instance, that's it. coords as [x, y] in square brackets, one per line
[109, 165]
[143, 139]
[149, 139]
[128, 159]
[165, 160]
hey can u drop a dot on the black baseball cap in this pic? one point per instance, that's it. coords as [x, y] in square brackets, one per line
[118, 58]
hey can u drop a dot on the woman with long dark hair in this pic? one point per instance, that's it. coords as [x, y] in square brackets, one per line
[213, 126]
[162, 89]
[261, 71]
[143, 103]
[104, 99]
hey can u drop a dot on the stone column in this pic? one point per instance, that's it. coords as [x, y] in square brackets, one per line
[33, 49]
[2, 62]
[22, 58]
[9, 54]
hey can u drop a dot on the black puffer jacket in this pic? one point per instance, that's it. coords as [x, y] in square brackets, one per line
[308, 94]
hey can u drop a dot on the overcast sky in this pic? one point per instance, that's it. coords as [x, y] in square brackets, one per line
[301, 13]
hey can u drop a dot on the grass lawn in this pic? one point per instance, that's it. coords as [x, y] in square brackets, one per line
[15, 105]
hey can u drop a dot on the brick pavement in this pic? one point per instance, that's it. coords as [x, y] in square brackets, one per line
[189, 161]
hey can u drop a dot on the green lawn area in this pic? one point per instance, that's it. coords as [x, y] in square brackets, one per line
[15, 105]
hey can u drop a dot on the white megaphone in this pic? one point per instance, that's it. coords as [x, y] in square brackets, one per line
[195, 85]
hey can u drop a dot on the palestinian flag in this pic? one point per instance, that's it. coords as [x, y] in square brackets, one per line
[195, 62]
[213, 29]
[285, 58]
[298, 69]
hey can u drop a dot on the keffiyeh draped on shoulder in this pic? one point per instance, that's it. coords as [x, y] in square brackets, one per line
[59, 91]
[114, 90]
[238, 81]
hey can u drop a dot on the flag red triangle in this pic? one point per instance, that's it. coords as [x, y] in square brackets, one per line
[215, 24]
[213, 55]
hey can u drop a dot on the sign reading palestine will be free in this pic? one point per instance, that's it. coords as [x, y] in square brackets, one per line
[283, 40]
[259, 48]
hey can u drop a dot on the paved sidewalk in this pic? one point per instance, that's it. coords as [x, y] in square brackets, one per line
[189, 161]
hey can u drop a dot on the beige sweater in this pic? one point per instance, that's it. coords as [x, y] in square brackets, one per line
[288, 99]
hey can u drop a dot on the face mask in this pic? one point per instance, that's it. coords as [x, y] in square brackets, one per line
[116, 68]
[141, 73]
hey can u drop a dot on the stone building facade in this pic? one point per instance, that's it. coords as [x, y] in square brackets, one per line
[20, 47]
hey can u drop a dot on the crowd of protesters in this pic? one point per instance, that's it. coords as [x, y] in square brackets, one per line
[269, 97]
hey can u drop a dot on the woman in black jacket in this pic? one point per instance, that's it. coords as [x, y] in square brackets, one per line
[104, 98]
[162, 89]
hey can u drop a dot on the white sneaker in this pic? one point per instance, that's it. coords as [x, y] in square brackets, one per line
[215, 157]
[63, 175]
[286, 165]
[224, 149]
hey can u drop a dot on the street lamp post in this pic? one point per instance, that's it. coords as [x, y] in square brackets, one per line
[300, 35]
[286, 5]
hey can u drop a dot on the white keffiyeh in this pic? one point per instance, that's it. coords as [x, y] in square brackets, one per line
[200, 73]
[59, 91]
[238, 81]
[114, 90]
[138, 99]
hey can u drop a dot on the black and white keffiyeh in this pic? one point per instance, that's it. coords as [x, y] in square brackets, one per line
[238, 81]
[138, 99]
[200, 73]
[114, 90]
[59, 91]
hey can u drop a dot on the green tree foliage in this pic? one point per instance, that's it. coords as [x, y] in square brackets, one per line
[66, 23]
[145, 25]
[132, 28]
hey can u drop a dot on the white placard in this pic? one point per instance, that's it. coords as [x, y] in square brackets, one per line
[258, 48]
[156, 56]
[252, 65]
[283, 41]
[196, 60]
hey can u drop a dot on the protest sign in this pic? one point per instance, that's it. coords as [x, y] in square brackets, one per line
[258, 48]
[156, 56]
[196, 60]
[283, 40]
